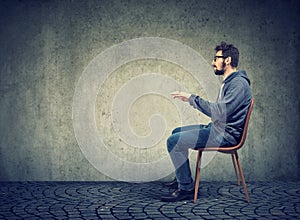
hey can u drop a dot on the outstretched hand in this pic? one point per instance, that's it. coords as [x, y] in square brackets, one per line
[183, 96]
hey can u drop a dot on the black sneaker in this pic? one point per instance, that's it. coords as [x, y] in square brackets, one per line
[178, 195]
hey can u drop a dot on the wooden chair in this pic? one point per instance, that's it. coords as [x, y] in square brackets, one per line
[234, 155]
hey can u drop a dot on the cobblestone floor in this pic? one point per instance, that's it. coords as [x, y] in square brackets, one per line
[118, 200]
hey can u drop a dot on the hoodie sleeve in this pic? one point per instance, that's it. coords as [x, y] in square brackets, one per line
[231, 100]
[200, 104]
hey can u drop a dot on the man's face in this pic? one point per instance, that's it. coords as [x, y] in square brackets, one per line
[218, 63]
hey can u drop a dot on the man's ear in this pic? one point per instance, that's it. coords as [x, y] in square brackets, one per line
[228, 60]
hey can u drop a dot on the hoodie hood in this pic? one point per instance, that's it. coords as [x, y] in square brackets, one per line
[240, 73]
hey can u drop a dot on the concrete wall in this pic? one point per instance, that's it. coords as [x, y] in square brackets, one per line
[47, 45]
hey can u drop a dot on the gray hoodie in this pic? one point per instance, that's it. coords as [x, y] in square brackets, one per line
[228, 113]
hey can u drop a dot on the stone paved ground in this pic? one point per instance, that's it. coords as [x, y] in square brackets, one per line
[118, 200]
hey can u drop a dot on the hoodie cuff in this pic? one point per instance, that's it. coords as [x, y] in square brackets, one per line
[192, 99]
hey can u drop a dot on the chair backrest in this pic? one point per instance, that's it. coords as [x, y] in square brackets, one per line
[245, 131]
[243, 138]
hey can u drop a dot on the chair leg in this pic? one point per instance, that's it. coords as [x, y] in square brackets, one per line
[242, 176]
[235, 168]
[197, 177]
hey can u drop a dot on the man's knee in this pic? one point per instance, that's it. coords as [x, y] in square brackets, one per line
[171, 142]
[176, 130]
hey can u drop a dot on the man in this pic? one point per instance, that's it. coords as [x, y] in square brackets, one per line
[227, 114]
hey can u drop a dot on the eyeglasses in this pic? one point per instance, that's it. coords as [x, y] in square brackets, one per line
[215, 57]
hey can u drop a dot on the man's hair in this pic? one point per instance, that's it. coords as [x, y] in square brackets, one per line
[228, 50]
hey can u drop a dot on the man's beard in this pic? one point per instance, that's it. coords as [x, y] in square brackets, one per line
[220, 72]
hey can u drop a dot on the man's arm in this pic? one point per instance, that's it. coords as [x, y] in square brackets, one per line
[225, 107]
[234, 98]
[194, 100]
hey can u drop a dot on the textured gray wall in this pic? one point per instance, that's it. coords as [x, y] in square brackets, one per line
[46, 45]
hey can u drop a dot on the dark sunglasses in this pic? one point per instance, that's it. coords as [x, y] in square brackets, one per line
[215, 57]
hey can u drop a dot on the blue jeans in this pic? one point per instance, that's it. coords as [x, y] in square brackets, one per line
[189, 137]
